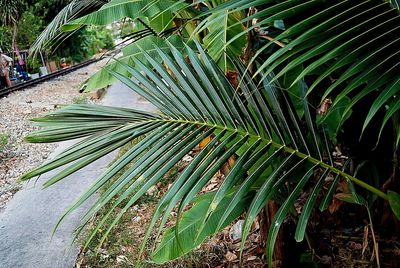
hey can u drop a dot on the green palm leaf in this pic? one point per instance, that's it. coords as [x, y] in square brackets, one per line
[52, 33]
[351, 46]
[10, 12]
[172, 246]
[259, 125]
[116, 10]
[103, 78]
[220, 33]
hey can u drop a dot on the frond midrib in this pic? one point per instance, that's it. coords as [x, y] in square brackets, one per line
[279, 146]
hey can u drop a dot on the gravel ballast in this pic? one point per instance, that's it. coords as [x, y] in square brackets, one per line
[16, 155]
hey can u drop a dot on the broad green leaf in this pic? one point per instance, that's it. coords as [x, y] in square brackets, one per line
[170, 248]
[118, 9]
[307, 209]
[381, 100]
[219, 34]
[333, 120]
[394, 201]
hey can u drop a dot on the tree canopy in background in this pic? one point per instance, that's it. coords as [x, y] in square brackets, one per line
[29, 18]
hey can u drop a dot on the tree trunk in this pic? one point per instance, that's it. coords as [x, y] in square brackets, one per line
[14, 36]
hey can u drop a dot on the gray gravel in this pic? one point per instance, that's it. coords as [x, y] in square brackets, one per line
[27, 221]
[17, 156]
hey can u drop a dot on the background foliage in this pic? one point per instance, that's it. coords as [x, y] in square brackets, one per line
[32, 18]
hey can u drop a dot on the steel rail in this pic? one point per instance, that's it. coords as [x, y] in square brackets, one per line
[5, 91]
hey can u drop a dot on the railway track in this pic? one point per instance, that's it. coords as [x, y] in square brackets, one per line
[34, 82]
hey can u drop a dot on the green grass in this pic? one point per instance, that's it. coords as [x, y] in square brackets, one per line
[4, 140]
[81, 99]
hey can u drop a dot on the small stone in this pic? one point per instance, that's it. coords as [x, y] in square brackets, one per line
[151, 190]
[173, 214]
[187, 158]
[251, 258]
[121, 259]
[236, 230]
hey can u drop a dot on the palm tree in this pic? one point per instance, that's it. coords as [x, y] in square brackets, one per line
[52, 35]
[10, 12]
[314, 50]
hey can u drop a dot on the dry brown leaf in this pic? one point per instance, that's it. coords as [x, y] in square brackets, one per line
[228, 166]
[276, 264]
[230, 256]
[204, 142]
[233, 78]
[365, 240]
[256, 225]
[251, 258]
[324, 107]
[335, 205]
[212, 186]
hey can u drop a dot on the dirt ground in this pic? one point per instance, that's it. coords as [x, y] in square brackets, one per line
[16, 109]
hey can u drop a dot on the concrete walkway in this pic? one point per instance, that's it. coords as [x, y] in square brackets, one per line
[27, 222]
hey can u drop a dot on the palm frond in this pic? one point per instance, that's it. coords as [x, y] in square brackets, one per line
[395, 3]
[220, 33]
[258, 125]
[10, 11]
[153, 24]
[52, 33]
[130, 52]
[116, 10]
[349, 48]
